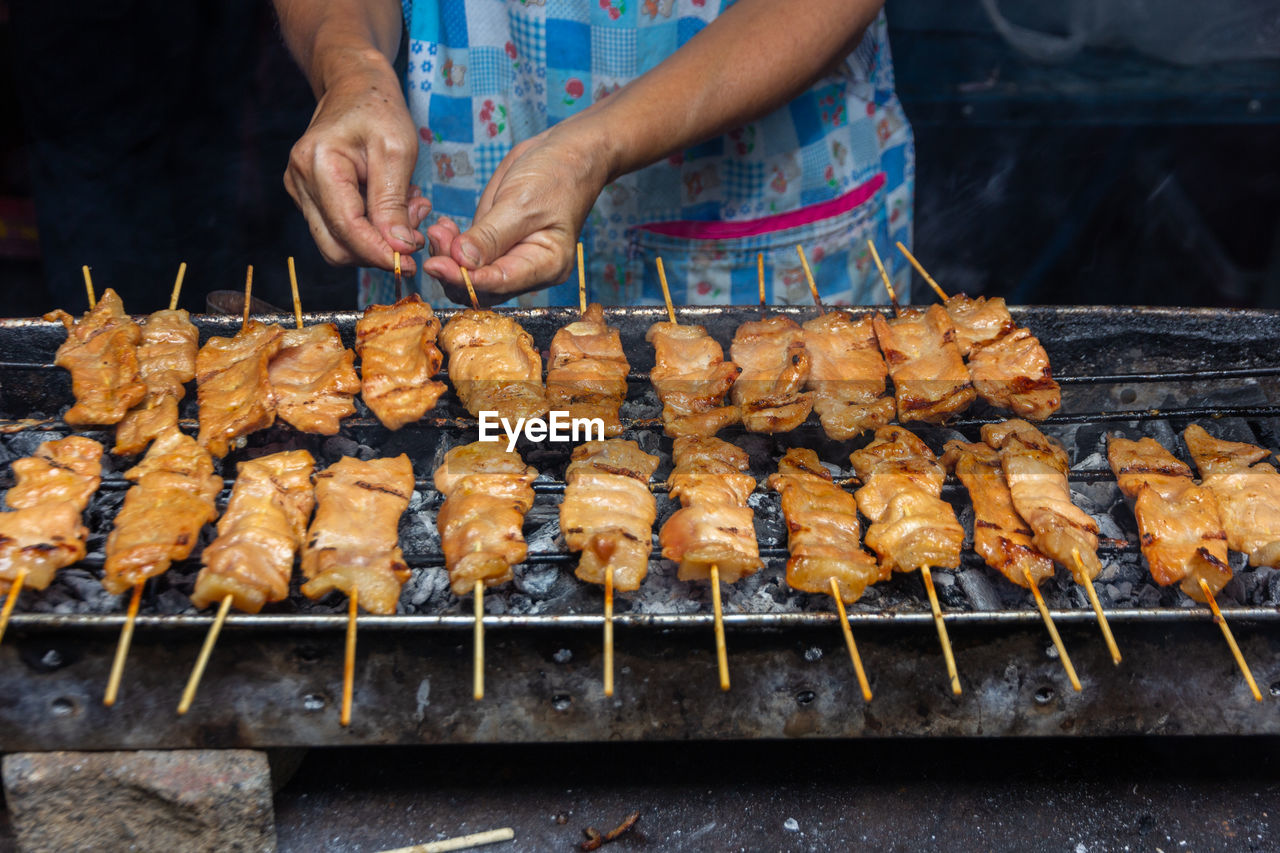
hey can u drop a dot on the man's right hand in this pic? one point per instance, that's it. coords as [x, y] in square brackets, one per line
[350, 172]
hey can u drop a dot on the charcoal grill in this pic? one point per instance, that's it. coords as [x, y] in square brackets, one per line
[275, 677]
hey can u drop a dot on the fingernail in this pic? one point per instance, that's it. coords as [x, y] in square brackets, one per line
[470, 254]
[404, 235]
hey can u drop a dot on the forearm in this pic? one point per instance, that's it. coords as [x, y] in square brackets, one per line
[752, 59]
[329, 38]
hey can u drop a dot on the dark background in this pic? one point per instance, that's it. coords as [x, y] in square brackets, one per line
[140, 133]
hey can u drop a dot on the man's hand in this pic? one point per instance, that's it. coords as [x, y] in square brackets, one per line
[350, 172]
[528, 219]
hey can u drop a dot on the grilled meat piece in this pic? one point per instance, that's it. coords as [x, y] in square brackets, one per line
[1247, 490]
[823, 534]
[608, 511]
[353, 541]
[847, 375]
[487, 491]
[1035, 467]
[978, 320]
[911, 526]
[1012, 372]
[44, 530]
[171, 500]
[166, 362]
[313, 379]
[691, 378]
[1000, 536]
[714, 525]
[930, 380]
[775, 366]
[493, 365]
[1181, 531]
[259, 533]
[101, 352]
[234, 387]
[398, 358]
[587, 376]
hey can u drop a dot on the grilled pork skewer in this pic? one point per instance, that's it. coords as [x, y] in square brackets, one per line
[101, 354]
[691, 378]
[608, 511]
[313, 378]
[43, 530]
[911, 526]
[487, 491]
[587, 373]
[775, 366]
[352, 544]
[712, 536]
[1181, 531]
[1000, 536]
[493, 365]
[398, 358]
[259, 534]
[1247, 489]
[166, 362]
[847, 375]
[930, 380]
[233, 382]
[823, 534]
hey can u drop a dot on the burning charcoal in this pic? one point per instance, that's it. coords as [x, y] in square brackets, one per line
[338, 446]
[537, 579]
[982, 596]
[1148, 596]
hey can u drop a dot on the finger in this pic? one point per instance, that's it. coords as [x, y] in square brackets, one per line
[441, 235]
[531, 264]
[330, 249]
[342, 207]
[492, 233]
[419, 210]
[387, 186]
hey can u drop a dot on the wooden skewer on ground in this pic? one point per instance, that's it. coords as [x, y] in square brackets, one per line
[884, 276]
[848, 641]
[177, 284]
[10, 599]
[952, 676]
[462, 842]
[1097, 608]
[122, 648]
[477, 677]
[88, 286]
[349, 659]
[942, 294]
[1053, 631]
[197, 672]
[722, 657]
[808, 276]
[1231, 640]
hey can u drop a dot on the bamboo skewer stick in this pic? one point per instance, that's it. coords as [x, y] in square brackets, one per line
[349, 660]
[1097, 608]
[884, 276]
[942, 294]
[582, 282]
[666, 292]
[10, 599]
[248, 295]
[395, 263]
[848, 641]
[197, 672]
[808, 277]
[722, 655]
[1053, 631]
[952, 676]
[122, 648]
[1231, 640]
[608, 630]
[760, 281]
[177, 284]
[462, 842]
[88, 286]
[293, 286]
[477, 677]
[471, 291]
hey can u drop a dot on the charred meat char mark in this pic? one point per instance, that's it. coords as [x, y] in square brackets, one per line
[714, 525]
[608, 511]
